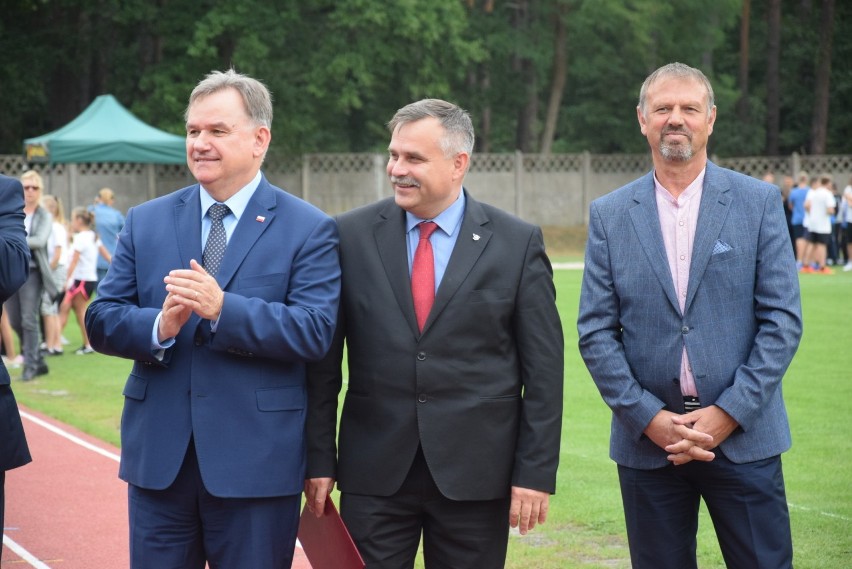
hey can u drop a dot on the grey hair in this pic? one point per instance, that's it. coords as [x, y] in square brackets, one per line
[256, 96]
[680, 71]
[455, 120]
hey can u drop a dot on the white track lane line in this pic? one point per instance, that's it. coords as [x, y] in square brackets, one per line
[31, 559]
[74, 439]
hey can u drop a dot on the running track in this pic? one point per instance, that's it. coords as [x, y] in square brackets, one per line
[67, 509]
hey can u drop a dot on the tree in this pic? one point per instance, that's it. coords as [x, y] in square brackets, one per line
[819, 126]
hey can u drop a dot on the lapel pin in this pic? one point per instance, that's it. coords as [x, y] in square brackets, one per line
[260, 218]
[475, 237]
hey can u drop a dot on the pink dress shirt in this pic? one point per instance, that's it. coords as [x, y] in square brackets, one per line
[678, 220]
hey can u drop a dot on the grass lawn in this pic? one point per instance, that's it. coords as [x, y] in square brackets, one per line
[585, 528]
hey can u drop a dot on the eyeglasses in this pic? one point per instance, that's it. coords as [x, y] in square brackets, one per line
[35, 188]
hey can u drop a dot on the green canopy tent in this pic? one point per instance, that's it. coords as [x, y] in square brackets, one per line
[106, 132]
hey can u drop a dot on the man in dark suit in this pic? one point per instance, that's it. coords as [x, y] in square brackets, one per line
[452, 418]
[213, 425]
[14, 270]
[689, 317]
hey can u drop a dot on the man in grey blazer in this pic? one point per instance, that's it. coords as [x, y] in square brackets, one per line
[689, 316]
[452, 418]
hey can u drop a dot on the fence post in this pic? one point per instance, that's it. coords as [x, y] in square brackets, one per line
[306, 177]
[519, 183]
[379, 172]
[587, 177]
[152, 180]
[797, 166]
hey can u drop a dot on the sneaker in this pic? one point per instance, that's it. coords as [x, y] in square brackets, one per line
[65, 341]
[847, 267]
[807, 269]
[825, 271]
[52, 352]
[82, 350]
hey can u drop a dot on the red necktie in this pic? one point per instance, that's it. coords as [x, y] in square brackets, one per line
[423, 274]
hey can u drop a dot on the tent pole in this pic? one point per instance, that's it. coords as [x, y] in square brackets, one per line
[72, 184]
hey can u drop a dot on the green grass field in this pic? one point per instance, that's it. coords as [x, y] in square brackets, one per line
[585, 528]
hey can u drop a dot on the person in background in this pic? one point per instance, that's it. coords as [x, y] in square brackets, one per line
[212, 438]
[846, 224]
[451, 426]
[82, 273]
[57, 250]
[108, 224]
[689, 317]
[786, 188]
[796, 203]
[820, 206]
[14, 272]
[24, 307]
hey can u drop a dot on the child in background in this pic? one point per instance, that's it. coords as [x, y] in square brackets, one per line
[57, 252]
[82, 271]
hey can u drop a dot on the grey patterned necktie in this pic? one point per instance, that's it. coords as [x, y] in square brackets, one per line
[214, 250]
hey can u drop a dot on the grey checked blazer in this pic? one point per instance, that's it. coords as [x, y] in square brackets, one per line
[741, 323]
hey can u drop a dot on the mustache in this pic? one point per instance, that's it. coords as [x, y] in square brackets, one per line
[405, 181]
[677, 130]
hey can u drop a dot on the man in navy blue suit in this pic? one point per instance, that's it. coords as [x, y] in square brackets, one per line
[14, 270]
[689, 317]
[220, 314]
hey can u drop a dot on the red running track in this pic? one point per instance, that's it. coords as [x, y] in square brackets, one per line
[68, 509]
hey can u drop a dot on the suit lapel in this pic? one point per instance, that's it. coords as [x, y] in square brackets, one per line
[646, 223]
[188, 215]
[715, 202]
[389, 234]
[257, 216]
[471, 241]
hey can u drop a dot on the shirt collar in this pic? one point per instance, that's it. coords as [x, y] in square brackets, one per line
[237, 203]
[448, 220]
[691, 190]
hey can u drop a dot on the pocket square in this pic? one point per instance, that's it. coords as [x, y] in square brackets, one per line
[720, 247]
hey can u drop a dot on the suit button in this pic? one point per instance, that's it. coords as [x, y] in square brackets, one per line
[421, 398]
[685, 329]
[421, 356]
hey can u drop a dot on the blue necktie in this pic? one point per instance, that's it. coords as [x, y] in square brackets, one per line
[214, 250]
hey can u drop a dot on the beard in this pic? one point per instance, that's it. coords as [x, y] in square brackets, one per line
[676, 151]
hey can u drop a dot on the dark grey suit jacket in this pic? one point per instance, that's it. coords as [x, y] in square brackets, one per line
[14, 269]
[480, 389]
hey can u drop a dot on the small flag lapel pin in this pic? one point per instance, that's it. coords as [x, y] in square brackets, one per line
[260, 218]
[475, 237]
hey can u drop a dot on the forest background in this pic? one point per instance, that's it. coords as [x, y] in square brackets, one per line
[537, 75]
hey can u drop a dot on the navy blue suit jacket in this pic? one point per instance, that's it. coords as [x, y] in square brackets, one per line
[741, 324]
[14, 269]
[240, 392]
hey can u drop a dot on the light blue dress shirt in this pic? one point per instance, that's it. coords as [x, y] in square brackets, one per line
[443, 240]
[237, 204]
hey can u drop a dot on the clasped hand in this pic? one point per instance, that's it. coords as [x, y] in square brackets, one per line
[691, 436]
[189, 290]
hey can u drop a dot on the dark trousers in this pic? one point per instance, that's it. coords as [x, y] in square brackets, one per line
[184, 526]
[2, 508]
[456, 535]
[746, 502]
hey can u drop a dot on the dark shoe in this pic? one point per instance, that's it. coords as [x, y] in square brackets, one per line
[29, 374]
[55, 352]
[41, 369]
[83, 350]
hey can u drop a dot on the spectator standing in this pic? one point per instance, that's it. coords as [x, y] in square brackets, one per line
[14, 271]
[846, 224]
[820, 206]
[24, 306]
[82, 273]
[689, 317]
[108, 224]
[796, 203]
[57, 250]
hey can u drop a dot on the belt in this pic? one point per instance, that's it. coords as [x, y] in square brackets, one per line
[690, 404]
